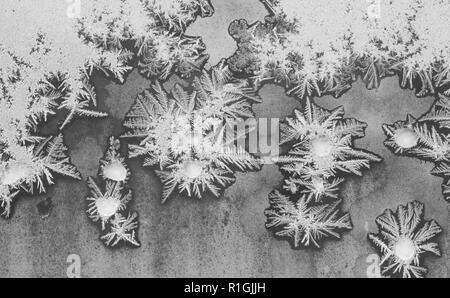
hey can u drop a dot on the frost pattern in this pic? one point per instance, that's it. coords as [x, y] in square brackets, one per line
[51, 56]
[321, 149]
[46, 63]
[304, 223]
[184, 133]
[110, 208]
[320, 152]
[318, 47]
[153, 30]
[404, 238]
[426, 139]
[29, 166]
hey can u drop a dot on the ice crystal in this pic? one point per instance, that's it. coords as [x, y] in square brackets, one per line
[321, 148]
[110, 208]
[318, 47]
[302, 222]
[31, 166]
[417, 139]
[46, 63]
[184, 133]
[425, 138]
[54, 51]
[154, 29]
[404, 238]
[123, 229]
[113, 166]
[321, 151]
[45, 55]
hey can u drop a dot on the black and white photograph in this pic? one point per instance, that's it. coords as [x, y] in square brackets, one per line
[210, 140]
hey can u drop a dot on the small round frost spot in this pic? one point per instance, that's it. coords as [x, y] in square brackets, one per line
[115, 171]
[107, 207]
[192, 169]
[321, 146]
[406, 138]
[405, 250]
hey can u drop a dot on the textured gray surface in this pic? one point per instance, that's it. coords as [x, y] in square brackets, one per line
[219, 237]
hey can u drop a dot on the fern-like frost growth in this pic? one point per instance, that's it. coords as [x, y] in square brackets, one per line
[30, 167]
[304, 223]
[47, 61]
[321, 152]
[425, 138]
[184, 133]
[404, 238]
[318, 47]
[109, 208]
[321, 149]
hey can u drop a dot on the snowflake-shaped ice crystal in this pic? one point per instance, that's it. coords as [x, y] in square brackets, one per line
[184, 133]
[110, 208]
[404, 238]
[302, 222]
[321, 148]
